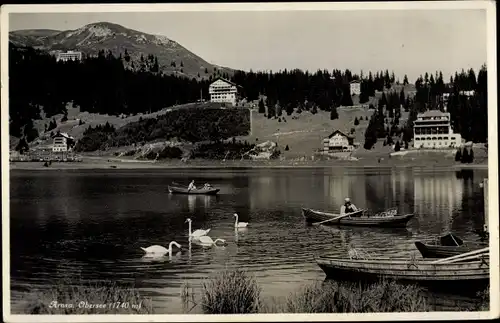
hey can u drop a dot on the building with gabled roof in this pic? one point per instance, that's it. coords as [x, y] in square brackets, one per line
[223, 91]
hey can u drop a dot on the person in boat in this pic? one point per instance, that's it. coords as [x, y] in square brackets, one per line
[348, 207]
[191, 186]
[207, 186]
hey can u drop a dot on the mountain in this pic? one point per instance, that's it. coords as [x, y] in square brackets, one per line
[92, 38]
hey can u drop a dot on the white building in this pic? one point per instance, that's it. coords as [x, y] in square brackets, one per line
[338, 142]
[61, 142]
[224, 91]
[355, 87]
[69, 55]
[432, 129]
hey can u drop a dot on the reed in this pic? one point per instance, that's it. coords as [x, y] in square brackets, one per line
[235, 292]
[76, 297]
[229, 292]
[335, 297]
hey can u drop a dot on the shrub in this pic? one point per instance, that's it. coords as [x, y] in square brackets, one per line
[170, 153]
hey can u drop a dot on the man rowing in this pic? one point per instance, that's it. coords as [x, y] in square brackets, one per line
[191, 186]
[348, 207]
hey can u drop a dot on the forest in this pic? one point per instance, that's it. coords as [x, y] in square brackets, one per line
[39, 85]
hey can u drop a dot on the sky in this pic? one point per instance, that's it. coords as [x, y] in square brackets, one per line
[408, 42]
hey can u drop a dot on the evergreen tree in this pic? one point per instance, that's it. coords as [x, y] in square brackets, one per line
[471, 156]
[333, 113]
[397, 147]
[465, 156]
[406, 145]
[22, 146]
[262, 108]
[356, 121]
[405, 80]
[458, 155]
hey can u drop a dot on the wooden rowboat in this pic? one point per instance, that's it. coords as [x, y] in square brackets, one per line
[476, 272]
[447, 246]
[357, 219]
[198, 191]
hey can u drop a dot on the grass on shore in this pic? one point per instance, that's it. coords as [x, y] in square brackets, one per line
[235, 292]
[88, 298]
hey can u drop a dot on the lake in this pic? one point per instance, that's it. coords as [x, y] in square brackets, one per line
[92, 223]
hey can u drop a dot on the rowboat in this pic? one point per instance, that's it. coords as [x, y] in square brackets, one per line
[357, 219]
[476, 272]
[447, 246]
[198, 191]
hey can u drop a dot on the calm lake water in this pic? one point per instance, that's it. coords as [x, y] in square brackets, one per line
[92, 223]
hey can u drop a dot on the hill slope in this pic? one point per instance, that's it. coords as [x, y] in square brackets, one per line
[92, 38]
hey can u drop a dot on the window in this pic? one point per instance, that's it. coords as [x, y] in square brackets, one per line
[440, 138]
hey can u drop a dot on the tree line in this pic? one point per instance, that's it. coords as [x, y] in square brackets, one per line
[103, 84]
[467, 104]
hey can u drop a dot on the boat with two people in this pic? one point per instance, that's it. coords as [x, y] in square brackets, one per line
[206, 189]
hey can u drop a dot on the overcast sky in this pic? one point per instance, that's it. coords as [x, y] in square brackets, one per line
[408, 42]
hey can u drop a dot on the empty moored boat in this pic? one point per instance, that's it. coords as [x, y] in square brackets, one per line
[358, 218]
[447, 246]
[417, 271]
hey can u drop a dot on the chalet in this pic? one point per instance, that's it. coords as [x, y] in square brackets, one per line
[355, 87]
[338, 142]
[62, 142]
[224, 91]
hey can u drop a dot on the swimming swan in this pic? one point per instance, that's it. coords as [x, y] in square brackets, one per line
[157, 250]
[239, 224]
[197, 233]
[207, 241]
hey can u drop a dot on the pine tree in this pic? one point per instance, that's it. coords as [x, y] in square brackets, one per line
[471, 156]
[356, 121]
[397, 147]
[405, 80]
[465, 156]
[333, 113]
[262, 108]
[406, 145]
[458, 155]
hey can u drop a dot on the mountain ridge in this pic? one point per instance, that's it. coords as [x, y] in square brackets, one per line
[173, 58]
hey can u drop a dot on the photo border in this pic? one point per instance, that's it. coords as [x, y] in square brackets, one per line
[489, 6]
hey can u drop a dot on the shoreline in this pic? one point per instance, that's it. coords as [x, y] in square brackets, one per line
[122, 163]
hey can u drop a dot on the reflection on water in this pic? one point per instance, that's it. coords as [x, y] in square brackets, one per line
[92, 224]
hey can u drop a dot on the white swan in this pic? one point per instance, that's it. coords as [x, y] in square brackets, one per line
[157, 250]
[207, 241]
[239, 224]
[197, 233]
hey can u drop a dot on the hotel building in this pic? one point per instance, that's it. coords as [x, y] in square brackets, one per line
[432, 129]
[355, 87]
[69, 55]
[223, 91]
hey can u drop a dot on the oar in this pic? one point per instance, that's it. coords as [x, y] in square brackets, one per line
[461, 256]
[478, 256]
[335, 218]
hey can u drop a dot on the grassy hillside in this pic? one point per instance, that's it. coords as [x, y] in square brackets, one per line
[304, 133]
